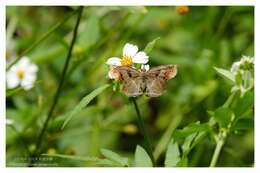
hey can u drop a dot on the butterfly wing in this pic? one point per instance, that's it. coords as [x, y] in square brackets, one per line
[133, 83]
[155, 79]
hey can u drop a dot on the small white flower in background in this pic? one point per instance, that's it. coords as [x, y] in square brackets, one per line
[23, 73]
[245, 63]
[235, 67]
[243, 71]
[9, 121]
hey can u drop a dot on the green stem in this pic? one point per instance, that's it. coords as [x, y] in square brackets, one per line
[221, 141]
[230, 100]
[142, 127]
[43, 37]
[57, 95]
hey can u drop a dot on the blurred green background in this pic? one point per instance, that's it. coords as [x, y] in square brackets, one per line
[196, 41]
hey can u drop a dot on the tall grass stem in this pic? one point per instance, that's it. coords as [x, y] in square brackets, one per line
[57, 95]
[143, 130]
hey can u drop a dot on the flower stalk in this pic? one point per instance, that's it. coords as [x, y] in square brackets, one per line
[143, 130]
[221, 139]
[222, 135]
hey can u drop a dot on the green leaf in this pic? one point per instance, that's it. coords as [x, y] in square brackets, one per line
[190, 129]
[91, 32]
[172, 155]
[244, 104]
[150, 45]
[84, 102]
[142, 159]
[244, 124]
[183, 162]
[223, 116]
[107, 162]
[227, 74]
[114, 157]
[187, 143]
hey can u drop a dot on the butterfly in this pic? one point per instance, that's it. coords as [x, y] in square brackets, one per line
[151, 83]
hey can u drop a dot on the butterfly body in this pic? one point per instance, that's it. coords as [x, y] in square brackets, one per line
[150, 83]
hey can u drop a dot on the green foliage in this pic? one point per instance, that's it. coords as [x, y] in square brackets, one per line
[223, 116]
[226, 73]
[244, 104]
[149, 47]
[91, 33]
[142, 159]
[172, 157]
[115, 157]
[198, 111]
[84, 102]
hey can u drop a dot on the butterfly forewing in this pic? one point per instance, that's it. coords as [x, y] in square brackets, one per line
[133, 84]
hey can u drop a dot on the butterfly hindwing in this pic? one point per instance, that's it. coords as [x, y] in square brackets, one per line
[156, 78]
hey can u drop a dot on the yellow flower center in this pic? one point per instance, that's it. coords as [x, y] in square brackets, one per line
[126, 61]
[20, 73]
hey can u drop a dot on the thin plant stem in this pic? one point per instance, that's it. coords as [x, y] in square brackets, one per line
[42, 38]
[220, 143]
[222, 135]
[57, 95]
[142, 127]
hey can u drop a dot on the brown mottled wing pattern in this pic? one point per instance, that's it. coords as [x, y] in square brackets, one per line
[133, 83]
[156, 78]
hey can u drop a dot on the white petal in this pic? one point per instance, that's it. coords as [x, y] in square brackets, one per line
[12, 80]
[32, 68]
[27, 87]
[29, 77]
[114, 61]
[9, 121]
[145, 67]
[235, 67]
[24, 62]
[28, 81]
[112, 74]
[141, 58]
[130, 50]
[26, 84]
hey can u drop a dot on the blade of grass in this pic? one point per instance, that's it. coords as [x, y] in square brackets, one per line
[84, 102]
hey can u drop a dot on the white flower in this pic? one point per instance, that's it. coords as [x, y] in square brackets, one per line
[9, 121]
[235, 67]
[130, 56]
[145, 67]
[243, 73]
[245, 63]
[22, 73]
